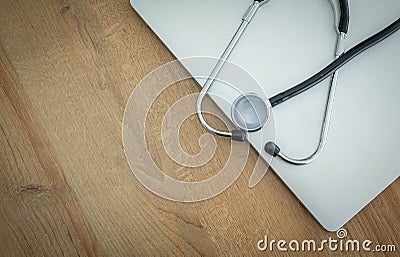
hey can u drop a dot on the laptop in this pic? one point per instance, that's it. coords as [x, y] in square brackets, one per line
[287, 42]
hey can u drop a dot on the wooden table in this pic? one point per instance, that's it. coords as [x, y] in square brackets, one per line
[67, 68]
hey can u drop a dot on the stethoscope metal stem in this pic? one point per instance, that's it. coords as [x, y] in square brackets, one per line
[247, 17]
[340, 49]
[342, 58]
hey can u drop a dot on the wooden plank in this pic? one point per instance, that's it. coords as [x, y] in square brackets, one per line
[35, 193]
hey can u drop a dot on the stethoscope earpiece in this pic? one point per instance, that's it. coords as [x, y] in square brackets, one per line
[238, 135]
[272, 149]
[250, 112]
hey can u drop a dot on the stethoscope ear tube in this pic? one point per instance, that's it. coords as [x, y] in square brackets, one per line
[272, 149]
[341, 59]
[236, 135]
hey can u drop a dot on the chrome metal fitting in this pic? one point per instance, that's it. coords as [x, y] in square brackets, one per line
[251, 11]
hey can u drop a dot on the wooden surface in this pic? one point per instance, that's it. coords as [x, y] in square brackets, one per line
[67, 69]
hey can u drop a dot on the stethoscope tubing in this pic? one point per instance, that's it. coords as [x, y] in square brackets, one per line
[341, 56]
[336, 64]
[237, 135]
[272, 149]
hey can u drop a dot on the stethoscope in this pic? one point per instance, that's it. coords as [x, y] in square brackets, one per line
[250, 112]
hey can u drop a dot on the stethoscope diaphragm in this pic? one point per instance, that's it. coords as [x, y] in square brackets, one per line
[249, 112]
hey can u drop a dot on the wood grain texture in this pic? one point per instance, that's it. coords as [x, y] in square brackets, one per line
[67, 69]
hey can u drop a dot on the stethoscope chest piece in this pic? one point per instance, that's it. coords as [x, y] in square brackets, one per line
[250, 112]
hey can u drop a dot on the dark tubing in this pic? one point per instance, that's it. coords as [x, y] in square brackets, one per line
[344, 16]
[335, 65]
